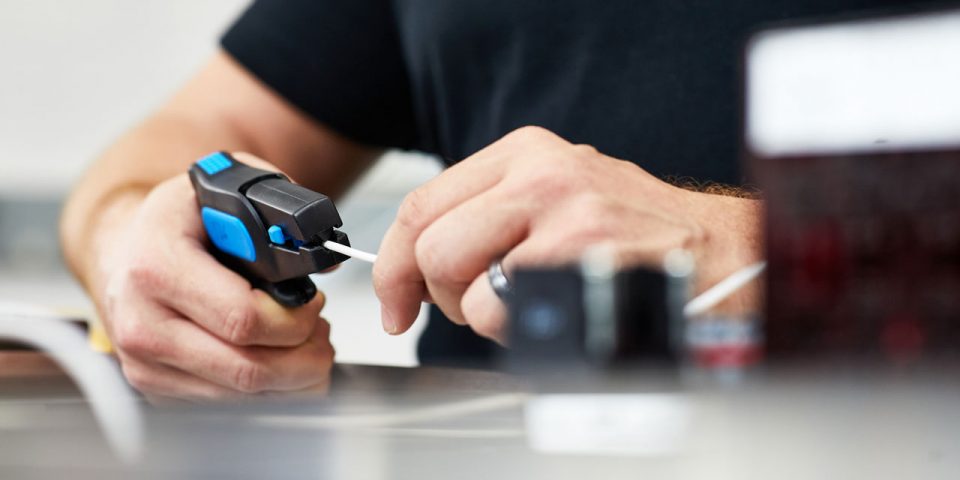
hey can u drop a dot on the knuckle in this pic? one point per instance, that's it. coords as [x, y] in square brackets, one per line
[550, 183]
[577, 160]
[413, 210]
[157, 204]
[240, 325]
[145, 277]
[632, 170]
[303, 328]
[245, 156]
[139, 378]
[322, 330]
[584, 151]
[431, 263]
[322, 358]
[694, 236]
[327, 354]
[532, 133]
[133, 340]
[249, 377]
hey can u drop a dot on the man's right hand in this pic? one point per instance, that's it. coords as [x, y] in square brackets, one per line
[184, 326]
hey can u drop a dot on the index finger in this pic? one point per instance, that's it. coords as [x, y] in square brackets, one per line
[397, 278]
[225, 304]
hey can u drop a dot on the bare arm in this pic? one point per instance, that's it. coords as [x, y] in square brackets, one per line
[221, 108]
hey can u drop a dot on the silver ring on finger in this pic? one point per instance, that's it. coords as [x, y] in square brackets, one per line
[498, 280]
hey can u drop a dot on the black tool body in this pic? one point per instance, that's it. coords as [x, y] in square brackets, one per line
[266, 228]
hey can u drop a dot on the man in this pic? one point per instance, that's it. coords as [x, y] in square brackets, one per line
[319, 88]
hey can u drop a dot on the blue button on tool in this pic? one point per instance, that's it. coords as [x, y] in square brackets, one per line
[275, 232]
[228, 233]
[214, 163]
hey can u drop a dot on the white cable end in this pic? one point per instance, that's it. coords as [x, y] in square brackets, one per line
[728, 286]
[349, 251]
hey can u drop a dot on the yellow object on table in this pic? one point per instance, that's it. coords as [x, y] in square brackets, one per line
[99, 341]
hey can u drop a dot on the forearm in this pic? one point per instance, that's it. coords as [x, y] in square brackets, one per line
[105, 199]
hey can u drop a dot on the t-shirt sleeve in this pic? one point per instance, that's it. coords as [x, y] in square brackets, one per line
[339, 61]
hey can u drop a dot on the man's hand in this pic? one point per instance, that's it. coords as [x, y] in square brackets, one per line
[533, 198]
[184, 326]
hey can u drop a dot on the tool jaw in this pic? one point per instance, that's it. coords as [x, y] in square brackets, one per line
[304, 215]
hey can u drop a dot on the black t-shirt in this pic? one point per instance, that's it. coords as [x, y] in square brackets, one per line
[654, 82]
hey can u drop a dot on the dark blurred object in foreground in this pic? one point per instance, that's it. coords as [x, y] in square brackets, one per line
[864, 254]
[571, 319]
[852, 133]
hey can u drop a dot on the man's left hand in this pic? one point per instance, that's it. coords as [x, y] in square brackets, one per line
[532, 198]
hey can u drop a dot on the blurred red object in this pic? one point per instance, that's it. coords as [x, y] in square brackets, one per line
[864, 254]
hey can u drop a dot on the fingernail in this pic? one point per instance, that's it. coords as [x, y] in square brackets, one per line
[389, 324]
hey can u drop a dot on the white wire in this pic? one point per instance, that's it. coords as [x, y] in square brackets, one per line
[394, 417]
[723, 289]
[113, 403]
[350, 252]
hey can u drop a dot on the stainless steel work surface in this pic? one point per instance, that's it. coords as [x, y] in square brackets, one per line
[423, 423]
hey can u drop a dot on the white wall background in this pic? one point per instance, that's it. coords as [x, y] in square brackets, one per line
[76, 74]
